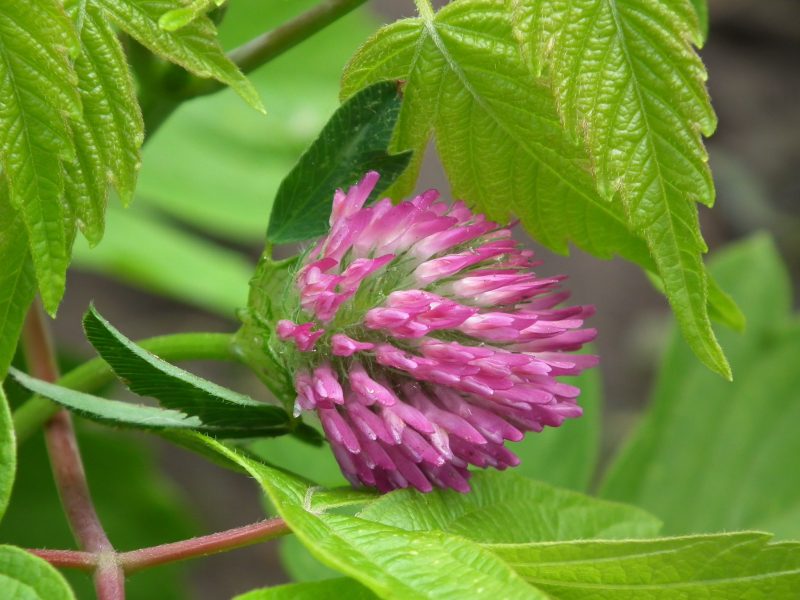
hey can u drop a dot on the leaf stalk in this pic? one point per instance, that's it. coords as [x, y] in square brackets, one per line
[67, 465]
[144, 558]
[251, 55]
[425, 9]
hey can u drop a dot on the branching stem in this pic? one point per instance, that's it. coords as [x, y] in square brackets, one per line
[68, 559]
[97, 554]
[137, 560]
[203, 546]
[247, 57]
[66, 463]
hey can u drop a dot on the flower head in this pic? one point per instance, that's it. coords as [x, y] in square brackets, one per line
[424, 341]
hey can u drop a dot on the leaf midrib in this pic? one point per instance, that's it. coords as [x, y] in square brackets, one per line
[662, 586]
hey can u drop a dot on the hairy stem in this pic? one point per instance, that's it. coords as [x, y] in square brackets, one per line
[138, 560]
[249, 56]
[90, 376]
[425, 9]
[66, 463]
[222, 541]
[68, 559]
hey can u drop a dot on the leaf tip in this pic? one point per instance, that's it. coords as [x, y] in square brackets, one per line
[249, 94]
[173, 20]
[721, 366]
[90, 315]
[51, 293]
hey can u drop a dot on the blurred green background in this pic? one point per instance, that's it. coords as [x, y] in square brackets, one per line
[179, 259]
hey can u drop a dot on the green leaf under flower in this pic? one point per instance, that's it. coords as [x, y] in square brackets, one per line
[420, 557]
[211, 405]
[500, 509]
[727, 566]
[354, 141]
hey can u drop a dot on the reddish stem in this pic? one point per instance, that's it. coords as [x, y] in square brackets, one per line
[137, 560]
[71, 482]
[68, 559]
[238, 537]
[97, 553]
[67, 466]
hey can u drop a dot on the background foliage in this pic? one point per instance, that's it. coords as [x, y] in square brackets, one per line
[614, 167]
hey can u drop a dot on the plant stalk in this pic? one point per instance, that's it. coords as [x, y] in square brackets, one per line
[68, 559]
[268, 46]
[138, 560]
[425, 9]
[249, 56]
[214, 543]
[66, 463]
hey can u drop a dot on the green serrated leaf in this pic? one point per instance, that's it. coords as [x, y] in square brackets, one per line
[329, 589]
[706, 450]
[177, 389]
[389, 561]
[109, 412]
[441, 566]
[176, 18]
[354, 141]
[167, 422]
[8, 453]
[17, 278]
[109, 139]
[629, 84]
[37, 94]
[471, 83]
[24, 576]
[194, 47]
[723, 566]
[495, 126]
[85, 186]
[396, 563]
[499, 509]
